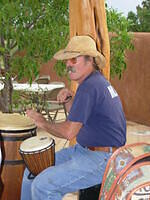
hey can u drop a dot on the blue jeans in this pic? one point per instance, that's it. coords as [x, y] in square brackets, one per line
[75, 168]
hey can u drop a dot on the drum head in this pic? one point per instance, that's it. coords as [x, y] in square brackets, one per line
[36, 143]
[15, 121]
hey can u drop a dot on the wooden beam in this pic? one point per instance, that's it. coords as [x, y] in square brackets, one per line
[88, 17]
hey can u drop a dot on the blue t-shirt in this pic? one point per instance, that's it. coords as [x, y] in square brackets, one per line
[98, 107]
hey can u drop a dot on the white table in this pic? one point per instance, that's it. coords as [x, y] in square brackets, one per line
[35, 87]
[36, 92]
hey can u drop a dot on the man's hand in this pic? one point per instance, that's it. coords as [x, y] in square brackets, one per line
[64, 95]
[38, 118]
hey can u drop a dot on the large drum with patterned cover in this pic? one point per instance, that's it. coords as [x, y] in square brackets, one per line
[118, 167]
[134, 184]
[141, 192]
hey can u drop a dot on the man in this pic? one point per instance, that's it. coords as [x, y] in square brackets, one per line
[95, 118]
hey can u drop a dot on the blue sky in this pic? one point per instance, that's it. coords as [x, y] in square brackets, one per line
[124, 6]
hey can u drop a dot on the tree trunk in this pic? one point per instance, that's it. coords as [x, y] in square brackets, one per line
[88, 17]
[7, 96]
[6, 93]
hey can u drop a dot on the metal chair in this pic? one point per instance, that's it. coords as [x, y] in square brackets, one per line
[42, 79]
[52, 107]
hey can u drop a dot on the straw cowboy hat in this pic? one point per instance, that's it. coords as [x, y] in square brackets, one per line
[80, 46]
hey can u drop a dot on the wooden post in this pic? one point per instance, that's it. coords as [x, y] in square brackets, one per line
[88, 17]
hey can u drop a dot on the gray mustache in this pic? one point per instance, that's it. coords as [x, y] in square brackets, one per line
[70, 68]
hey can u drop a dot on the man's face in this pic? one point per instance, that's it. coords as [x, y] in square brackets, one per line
[78, 68]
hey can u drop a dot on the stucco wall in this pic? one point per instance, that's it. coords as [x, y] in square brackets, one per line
[48, 69]
[134, 87]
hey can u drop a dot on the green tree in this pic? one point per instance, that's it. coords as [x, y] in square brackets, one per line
[142, 22]
[120, 41]
[34, 29]
[132, 17]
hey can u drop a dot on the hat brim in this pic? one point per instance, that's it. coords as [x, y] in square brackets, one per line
[65, 55]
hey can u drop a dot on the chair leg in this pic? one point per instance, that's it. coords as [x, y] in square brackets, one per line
[55, 115]
[49, 116]
[65, 111]
[91, 193]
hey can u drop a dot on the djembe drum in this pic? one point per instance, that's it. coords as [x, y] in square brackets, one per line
[14, 128]
[38, 154]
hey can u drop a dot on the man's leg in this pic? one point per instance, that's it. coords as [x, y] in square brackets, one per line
[83, 170]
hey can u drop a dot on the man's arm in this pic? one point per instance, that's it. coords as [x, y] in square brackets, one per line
[65, 96]
[67, 129]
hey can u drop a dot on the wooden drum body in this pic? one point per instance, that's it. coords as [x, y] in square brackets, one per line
[14, 128]
[38, 153]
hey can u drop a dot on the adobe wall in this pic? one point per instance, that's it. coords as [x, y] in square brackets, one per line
[48, 69]
[134, 86]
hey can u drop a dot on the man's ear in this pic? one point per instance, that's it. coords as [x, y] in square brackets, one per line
[89, 60]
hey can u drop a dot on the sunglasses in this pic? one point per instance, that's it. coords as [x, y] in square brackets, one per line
[72, 60]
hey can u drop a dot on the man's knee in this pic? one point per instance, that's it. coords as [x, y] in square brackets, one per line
[44, 190]
[42, 185]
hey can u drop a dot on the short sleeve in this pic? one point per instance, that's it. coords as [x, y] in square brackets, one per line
[82, 106]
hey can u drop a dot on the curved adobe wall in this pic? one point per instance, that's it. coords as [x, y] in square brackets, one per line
[134, 86]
